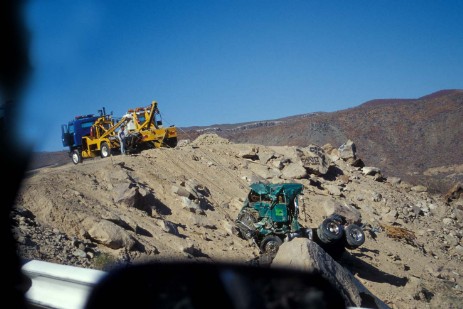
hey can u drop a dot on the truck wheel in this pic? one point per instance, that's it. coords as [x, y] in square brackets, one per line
[171, 142]
[270, 244]
[329, 231]
[105, 150]
[354, 236]
[76, 156]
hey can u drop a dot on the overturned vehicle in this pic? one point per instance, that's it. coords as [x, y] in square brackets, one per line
[269, 216]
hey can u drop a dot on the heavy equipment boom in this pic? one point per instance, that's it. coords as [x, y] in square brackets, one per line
[89, 136]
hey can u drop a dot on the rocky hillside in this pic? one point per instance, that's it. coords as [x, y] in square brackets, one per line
[180, 204]
[418, 140]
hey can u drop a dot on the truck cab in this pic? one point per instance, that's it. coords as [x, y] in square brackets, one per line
[88, 136]
[74, 130]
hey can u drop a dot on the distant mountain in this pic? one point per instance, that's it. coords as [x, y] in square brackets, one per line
[419, 140]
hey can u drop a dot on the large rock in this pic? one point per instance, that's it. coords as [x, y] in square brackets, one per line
[111, 235]
[370, 170]
[458, 213]
[249, 152]
[314, 159]
[168, 226]
[202, 221]
[196, 188]
[286, 153]
[127, 195]
[454, 193]
[191, 205]
[264, 171]
[264, 157]
[181, 191]
[347, 151]
[419, 188]
[294, 171]
[333, 189]
[304, 254]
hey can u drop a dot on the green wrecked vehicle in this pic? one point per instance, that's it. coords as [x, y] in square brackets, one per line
[269, 216]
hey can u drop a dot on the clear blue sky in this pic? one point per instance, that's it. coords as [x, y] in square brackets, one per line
[210, 62]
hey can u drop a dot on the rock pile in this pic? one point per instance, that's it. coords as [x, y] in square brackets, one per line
[181, 203]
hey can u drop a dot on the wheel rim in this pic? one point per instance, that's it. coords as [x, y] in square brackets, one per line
[75, 157]
[333, 228]
[271, 246]
[356, 235]
[104, 151]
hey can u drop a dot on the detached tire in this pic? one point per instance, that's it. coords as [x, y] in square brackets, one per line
[76, 156]
[270, 244]
[329, 231]
[105, 150]
[354, 236]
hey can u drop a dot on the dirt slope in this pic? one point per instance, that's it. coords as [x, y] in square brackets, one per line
[59, 207]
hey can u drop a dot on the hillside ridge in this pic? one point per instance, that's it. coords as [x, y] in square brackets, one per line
[180, 204]
[404, 137]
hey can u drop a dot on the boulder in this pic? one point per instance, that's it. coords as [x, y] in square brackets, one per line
[168, 227]
[347, 151]
[111, 235]
[191, 205]
[249, 152]
[333, 190]
[127, 194]
[264, 157]
[454, 193]
[304, 254]
[264, 171]
[370, 170]
[181, 191]
[294, 171]
[314, 160]
[394, 180]
[419, 188]
[202, 221]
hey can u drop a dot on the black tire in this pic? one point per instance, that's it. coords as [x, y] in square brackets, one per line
[105, 150]
[171, 142]
[76, 156]
[270, 244]
[354, 236]
[338, 218]
[329, 231]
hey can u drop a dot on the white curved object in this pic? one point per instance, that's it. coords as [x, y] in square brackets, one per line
[59, 286]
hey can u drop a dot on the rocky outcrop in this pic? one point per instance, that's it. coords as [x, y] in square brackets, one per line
[111, 235]
[304, 254]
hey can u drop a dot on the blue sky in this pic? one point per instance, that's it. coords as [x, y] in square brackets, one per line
[211, 62]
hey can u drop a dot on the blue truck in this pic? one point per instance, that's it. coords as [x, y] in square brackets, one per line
[89, 136]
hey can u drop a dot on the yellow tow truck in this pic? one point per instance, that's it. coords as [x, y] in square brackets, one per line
[90, 136]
